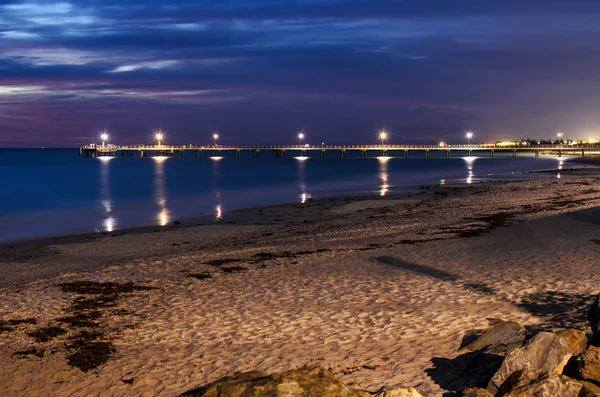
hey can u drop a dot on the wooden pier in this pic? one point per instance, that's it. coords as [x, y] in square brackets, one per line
[302, 150]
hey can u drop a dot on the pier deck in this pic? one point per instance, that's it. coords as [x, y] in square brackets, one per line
[280, 151]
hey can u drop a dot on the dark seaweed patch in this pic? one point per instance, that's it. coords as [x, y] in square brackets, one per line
[96, 288]
[232, 269]
[29, 352]
[90, 355]
[46, 334]
[200, 276]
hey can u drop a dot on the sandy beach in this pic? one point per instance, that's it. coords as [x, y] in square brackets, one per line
[379, 290]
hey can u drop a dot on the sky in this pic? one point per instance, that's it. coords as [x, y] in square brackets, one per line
[259, 71]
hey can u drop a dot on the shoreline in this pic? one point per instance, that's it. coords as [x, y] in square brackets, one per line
[31, 243]
[379, 291]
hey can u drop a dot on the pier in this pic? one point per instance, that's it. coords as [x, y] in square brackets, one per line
[339, 150]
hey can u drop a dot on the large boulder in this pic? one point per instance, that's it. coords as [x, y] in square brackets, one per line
[548, 385]
[589, 389]
[304, 382]
[576, 340]
[500, 339]
[476, 392]
[544, 352]
[590, 364]
[517, 380]
[400, 392]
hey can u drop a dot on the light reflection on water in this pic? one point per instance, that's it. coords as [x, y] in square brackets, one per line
[383, 175]
[470, 161]
[110, 223]
[163, 216]
[162, 207]
[216, 187]
[304, 195]
[560, 167]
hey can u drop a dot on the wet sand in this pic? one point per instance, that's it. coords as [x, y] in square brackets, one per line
[380, 290]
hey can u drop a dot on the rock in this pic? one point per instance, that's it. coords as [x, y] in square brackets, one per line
[544, 352]
[304, 382]
[576, 340]
[518, 379]
[476, 392]
[590, 364]
[589, 389]
[549, 385]
[499, 339]
[400, 392]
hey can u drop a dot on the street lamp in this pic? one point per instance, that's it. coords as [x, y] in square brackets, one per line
[469, 136]
[560, 135]
[301, 137]
[215, 137]
[383, 134]
[104, 137]
[159, 137]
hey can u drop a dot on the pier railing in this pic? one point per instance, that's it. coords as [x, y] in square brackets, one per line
[344, 147]
[94, 150]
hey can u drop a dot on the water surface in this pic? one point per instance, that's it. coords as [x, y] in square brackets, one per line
[54, 192]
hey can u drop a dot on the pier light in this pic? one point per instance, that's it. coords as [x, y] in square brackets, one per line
[159, 137]
[215, 137]
[383, 135]
[301, 137]
[104, 138]
[469, 135]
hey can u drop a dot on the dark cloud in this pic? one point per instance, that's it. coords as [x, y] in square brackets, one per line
[259, 70]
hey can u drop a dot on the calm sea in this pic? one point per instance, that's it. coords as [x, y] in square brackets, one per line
[53, 192]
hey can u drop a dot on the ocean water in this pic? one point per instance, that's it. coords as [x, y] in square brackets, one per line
[54, 192]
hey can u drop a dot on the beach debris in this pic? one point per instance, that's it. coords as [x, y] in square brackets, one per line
[544, 352]
[576, 340]
[548, 384]
[232, 269]
[46, 334]
[307, 381]
[499, 339]
[200, 276]
[87, 355]
[29, 352]
[92, 347]
[9, 325]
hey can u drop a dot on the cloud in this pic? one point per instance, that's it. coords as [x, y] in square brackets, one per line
[429, 65]
[155, 65]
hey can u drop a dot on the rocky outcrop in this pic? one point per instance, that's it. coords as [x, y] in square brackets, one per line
[590, 364]
[589, 389]
[544, 352]
[400, 392]
[476, 392]
[576, 340]
[548, 385]
[517, 380]
[304, 382]
[499, 339]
